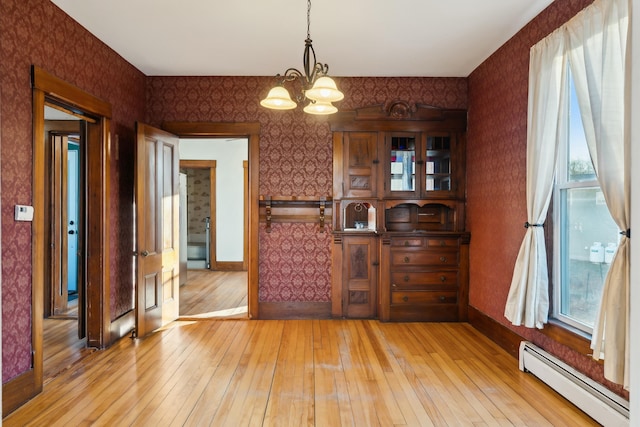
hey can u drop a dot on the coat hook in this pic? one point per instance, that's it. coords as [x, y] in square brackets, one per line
[268, 213]
[323, 201]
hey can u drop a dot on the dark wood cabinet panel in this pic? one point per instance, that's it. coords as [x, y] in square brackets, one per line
[360, 164]
[408, 162]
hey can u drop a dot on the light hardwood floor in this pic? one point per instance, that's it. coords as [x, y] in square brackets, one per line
[206, 294]
[214, 294]
[297, 373]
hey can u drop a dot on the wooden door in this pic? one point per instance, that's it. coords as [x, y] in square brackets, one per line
[59, 253]
[157, 232]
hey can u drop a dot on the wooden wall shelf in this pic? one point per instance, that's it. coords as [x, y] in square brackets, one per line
[295, 209]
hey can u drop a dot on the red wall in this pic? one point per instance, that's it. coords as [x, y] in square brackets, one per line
[37, 32]
[295, 157]
[496, 174]
[295, 154]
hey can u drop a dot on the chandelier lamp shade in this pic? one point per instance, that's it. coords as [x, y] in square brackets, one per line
[316, 86]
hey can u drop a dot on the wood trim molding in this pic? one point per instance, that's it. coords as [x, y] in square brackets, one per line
[18, 390]
[230, 266]
[69, 94]
[295, 310]
[48, 88]
[211, 166]
[565, 336]
[495, 331]
[510, 340]
[250, 130]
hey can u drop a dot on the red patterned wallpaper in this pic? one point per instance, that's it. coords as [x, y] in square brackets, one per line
[295, 157]
[37, 32]
[496, 173]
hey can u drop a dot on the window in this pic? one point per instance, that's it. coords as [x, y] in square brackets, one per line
[585, 236]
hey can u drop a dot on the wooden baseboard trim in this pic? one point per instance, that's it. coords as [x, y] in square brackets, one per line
[122, 326]
[495, 331]
[228, 266]
[17, 391]
[294, 310]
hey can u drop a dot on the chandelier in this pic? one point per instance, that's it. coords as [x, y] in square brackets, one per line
[316, 85]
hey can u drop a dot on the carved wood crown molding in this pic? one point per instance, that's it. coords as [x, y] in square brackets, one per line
[397, 111]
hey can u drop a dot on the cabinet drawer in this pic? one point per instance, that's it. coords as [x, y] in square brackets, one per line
[442, 242]
[423, 297]
[409, 242]
[423, 258]
[400, 279]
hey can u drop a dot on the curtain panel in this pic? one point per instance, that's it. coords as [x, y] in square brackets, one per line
[528, 299]
[594, 44]
[598, 40]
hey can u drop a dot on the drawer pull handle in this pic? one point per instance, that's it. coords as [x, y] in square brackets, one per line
[393, 285]
[443, 243]
[407, 259]
[443, 279]
[443, 258]
[443, 299]
[406, 278]
[405, 298]
[406, 243]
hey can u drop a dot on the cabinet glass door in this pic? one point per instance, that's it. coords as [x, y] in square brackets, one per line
[403, 164]
[438, 163]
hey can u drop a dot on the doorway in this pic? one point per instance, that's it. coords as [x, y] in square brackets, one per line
[64, 303]
[50, 89]
[215, 226]
[250, 131]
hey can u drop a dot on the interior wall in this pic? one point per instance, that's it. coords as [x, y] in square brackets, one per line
[295, 158]
[496, 175]
[56, 43]
[230, 155]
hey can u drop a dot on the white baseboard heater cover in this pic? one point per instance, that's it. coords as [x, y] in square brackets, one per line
[598, 402]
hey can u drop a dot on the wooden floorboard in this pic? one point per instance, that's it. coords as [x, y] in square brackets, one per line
[206, 295]
[232, 372]
[214, 294]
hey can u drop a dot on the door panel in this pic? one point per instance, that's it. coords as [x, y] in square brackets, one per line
[73, 217]
[157, 213]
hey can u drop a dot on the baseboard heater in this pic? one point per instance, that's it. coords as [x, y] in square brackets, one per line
[598, 402]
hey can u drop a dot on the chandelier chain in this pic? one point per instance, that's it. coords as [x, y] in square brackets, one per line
[308, 19]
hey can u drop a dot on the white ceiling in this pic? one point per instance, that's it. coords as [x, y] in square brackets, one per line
[365, 38]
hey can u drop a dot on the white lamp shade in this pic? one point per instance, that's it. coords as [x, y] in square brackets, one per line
[324, 90]
[320, 108]
[278, 99]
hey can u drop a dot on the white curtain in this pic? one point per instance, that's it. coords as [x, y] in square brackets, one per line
[598, 41]
[528, 299]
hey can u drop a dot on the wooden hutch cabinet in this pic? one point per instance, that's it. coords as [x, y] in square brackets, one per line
[400, 250]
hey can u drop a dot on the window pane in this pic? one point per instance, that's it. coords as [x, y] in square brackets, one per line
[590, 239]
[580, 167]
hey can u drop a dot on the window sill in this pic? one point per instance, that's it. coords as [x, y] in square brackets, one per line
[573, 338]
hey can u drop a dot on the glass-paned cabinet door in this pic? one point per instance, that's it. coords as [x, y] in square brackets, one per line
[402, 163]
[438, 167]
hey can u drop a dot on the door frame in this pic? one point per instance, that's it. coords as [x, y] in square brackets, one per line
[250, 131]
[47, 87]
[209, 165]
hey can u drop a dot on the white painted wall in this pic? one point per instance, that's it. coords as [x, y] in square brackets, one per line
[229, 155]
